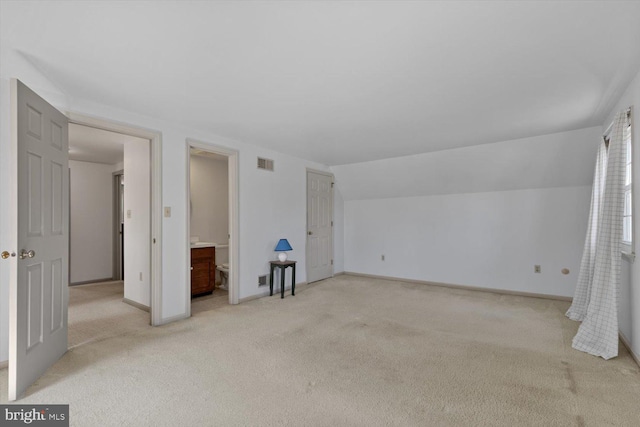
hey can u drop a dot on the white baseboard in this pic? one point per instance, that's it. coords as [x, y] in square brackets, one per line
[89, 282]
[266, 292]
[136, 305]
[256, 296]
[172, 319]
[464, 287]
[627, 344]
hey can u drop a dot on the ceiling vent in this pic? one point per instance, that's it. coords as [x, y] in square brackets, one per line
[265, 164]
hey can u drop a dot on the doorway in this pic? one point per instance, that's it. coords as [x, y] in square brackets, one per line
[206, 237]
[118, 225]
[96, 164]
[102, 286]
[153, 241]
[319, 225]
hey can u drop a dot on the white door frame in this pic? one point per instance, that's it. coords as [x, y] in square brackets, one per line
[329, 174]
[234, 218]
[155, 138]
[117, 272]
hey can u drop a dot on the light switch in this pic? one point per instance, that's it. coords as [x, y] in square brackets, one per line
[167, 211]
[128, 213]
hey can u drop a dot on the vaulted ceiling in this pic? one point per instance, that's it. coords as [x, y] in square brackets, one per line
[339, 82]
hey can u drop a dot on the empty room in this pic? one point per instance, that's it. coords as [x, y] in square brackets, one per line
[409, 213]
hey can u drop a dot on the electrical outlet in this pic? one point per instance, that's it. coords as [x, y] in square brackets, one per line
[537, 269]
[128, 213]
[382, 258]
[167, 211]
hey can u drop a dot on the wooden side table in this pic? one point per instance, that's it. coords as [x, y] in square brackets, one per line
[283, 266]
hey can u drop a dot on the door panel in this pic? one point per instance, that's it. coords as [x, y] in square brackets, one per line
[57, 177]
[57, 295]
[39, 282]
[34, 195]
[319, 227]
[34, 305]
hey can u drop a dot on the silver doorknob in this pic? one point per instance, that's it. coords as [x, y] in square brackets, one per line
[27, 254]
[6, 254]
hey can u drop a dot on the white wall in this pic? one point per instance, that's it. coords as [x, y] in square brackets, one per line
[137, 223]
[210, 199]
[91, 241]
[477, 216]
[273, 205]
[488, 240]
[629, 295]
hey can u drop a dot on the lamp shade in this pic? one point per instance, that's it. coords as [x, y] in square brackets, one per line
[283, 245]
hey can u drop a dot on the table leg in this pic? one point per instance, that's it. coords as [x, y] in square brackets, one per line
[282, 274]
[271, 281]
[293, 280]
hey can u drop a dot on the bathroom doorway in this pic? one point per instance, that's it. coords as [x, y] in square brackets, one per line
[211, 221]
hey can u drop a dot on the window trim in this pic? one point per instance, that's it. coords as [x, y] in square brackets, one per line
[627, 248]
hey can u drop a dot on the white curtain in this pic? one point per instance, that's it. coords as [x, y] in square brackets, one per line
[578, 309]
[596, 297]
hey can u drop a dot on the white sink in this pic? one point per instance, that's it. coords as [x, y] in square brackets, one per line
[202, 244]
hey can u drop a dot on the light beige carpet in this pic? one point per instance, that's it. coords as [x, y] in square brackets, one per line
[345, 351]
[96, 313]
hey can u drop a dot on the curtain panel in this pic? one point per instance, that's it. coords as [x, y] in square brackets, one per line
[578, 309]
[596, 296]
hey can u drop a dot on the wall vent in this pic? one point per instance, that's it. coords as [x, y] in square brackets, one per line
[265, 164]
[262, 280]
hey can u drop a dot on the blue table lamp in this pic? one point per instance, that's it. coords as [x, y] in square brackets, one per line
[283, 246]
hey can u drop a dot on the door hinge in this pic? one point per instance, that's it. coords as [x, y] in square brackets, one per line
[331, 262]
[332, 223]
[154, 239]
[332, 184]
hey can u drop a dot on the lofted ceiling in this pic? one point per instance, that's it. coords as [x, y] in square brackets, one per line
[339, 82]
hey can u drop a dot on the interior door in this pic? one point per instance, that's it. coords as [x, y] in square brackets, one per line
[40, 274]
[319, 226]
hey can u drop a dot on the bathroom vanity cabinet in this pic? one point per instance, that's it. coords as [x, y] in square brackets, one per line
[203, 270]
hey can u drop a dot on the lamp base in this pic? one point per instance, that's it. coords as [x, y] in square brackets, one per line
[282, 256]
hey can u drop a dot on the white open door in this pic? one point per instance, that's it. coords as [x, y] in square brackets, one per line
[40, 272]
[319, 226]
